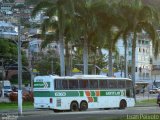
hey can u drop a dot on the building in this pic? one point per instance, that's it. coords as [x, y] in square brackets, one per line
[8, 30]
[19, 2]
[143, 56]
[156, 68]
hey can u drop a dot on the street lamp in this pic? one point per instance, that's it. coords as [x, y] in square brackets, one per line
[2, 94]
[19, 73]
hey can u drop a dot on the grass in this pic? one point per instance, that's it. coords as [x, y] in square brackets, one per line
[14, 106]
[129, 117]
[137, 117]
[147, 102]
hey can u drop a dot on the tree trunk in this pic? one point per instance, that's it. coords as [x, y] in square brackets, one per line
[61, 39]
[85, 56]
[125, 60]
[110, 72]
[133, 69]
[62, 62]
[68, 60]
[94, 63]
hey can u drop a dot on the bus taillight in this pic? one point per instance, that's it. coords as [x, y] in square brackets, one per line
[50, 100]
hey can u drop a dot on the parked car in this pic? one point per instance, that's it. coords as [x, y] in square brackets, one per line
[6, 86]
[154, 90]
[158, 90]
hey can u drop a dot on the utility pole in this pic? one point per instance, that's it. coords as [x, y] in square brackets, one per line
[19, 72]
[31, 70]
[2, 78]
[52, 65]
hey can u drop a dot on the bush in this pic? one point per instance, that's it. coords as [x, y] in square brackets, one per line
[27, 96]
[13, 96]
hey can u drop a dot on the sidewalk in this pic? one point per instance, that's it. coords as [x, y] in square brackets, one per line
[5, 99]
[145, 96]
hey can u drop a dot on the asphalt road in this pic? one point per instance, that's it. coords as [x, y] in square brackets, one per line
[92, 114]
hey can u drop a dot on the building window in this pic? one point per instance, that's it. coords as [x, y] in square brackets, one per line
[129, 44]
[139, 49]
[147, 42]
[143, 50]
[139, 41]
[130, 61]
[139, 58]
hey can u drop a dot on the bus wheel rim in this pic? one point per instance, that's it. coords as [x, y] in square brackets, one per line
[83, 106]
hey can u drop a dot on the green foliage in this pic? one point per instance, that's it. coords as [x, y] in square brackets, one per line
[26, 78]
[7, 49]
[43, 65]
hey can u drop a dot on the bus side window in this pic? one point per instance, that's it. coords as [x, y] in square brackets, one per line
[121, 83]
[65, 84]
[57, 84]
[129, 93]
[93, 84]
[128, 84]
[83, 84]
[103, 84]
[73, 84]
[112, 83]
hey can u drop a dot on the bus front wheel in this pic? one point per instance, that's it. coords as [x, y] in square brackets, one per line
[83, 106]
[122, 104]
[74, 106]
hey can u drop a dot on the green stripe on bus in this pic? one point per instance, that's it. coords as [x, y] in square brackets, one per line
[110, 93]
[41, 93]
[95, 99]
[75, 93]
[57, 93]
[92, 93]
[81, 93]
[41, 84]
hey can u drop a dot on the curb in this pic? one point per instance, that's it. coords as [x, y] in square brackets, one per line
[151, 105]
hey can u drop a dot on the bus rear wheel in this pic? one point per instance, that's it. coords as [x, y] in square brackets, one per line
[74, 106]
[122, 104]
[83, 106]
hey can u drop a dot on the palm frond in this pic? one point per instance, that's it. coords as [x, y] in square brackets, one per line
[41, 6]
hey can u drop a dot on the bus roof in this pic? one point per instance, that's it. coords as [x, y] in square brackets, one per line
[88, 77]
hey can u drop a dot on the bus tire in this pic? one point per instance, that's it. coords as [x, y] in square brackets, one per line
[122, 104]
[74, 106]
[83, 106]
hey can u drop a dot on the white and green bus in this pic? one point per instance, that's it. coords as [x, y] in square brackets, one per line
[82, 92]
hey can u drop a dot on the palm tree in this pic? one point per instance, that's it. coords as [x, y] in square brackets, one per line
[57, 8]
[139, 17]
[85, 17]
[110, 24]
